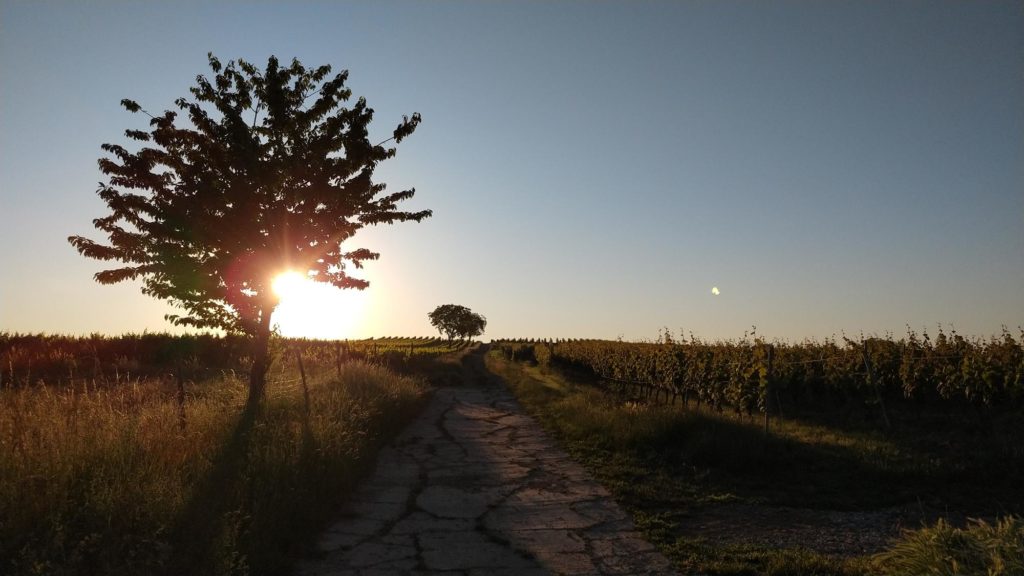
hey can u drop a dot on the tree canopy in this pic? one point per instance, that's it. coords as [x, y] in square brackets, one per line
[267, 171]
[453, 321]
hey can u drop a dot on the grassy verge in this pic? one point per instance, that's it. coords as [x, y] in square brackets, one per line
[109, 481]
[665, 464]
[944, 550]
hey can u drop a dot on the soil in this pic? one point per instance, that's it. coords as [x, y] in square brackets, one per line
[840, 533]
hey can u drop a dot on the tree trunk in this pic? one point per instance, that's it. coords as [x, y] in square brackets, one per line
[260, 362]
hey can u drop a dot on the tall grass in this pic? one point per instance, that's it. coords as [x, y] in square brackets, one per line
[107, 480]
[944, 550]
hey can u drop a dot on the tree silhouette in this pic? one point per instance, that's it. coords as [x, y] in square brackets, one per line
[453, 320]
[272, 174]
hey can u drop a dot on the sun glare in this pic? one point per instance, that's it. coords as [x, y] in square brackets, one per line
[311, 309]
[288, 284]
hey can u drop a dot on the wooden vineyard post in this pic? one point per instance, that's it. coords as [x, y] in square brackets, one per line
[653, 390]
[871, 382]
[767, 386]
[181, 399]
[337, 357]
[302, 374]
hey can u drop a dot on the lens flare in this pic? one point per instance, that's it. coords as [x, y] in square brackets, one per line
[311, 309]
[288, 284]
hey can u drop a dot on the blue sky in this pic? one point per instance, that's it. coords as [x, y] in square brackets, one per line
[595, 168]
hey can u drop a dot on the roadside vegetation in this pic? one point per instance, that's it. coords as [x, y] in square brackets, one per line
[672, 465]
[133, 474]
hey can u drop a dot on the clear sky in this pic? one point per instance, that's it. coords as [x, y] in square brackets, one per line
[595, 168]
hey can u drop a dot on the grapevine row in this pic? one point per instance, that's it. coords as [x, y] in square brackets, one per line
[27, 359]
[747, 375]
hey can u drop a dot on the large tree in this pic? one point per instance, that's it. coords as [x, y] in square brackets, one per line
[454, 320]
[270, 172]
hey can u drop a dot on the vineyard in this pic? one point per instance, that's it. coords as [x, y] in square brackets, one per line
[862, 438]
[751, 375]
[93, 360]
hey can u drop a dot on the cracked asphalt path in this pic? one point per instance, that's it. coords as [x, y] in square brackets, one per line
[474, 487]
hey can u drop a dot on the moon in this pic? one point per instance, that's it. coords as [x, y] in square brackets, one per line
[715, 291]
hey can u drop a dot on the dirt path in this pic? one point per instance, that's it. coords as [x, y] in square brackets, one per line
[474, 487]
[840, 533]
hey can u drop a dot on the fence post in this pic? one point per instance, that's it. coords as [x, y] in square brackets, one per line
[653, 390]
[337, 357]
[769, 349]
[181, 399]
[302, 374]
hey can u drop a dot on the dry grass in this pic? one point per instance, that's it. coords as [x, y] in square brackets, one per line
[995, 549]
[98, 479]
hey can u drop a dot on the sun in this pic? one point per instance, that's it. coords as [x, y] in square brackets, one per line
[310, 309]
[288, 285]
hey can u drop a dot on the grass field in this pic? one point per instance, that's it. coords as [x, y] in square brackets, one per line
[130, 478]
[673, 466]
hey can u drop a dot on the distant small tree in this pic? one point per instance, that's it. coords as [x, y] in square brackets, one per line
[272, 174]
[452, 320]
[472, 325]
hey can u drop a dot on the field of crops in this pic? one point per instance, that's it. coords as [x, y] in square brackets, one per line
[751, 375]
[32, 359]
[119, 453]
[859, 436]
